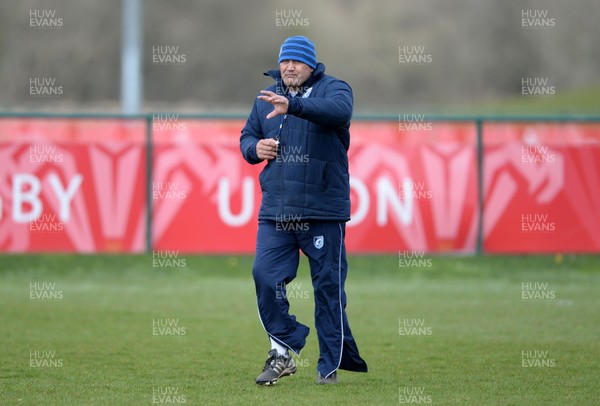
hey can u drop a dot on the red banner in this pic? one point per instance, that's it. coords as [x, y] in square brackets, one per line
[72, 185]
[411, 189]
[79, 185]
[542, 187]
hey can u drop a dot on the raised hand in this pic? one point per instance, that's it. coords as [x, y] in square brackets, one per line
[280, 103]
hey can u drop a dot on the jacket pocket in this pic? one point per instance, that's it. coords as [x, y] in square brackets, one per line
[262, 177]
[317, 178]
[337, 174]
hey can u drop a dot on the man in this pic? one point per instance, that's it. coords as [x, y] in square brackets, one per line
[300, 126]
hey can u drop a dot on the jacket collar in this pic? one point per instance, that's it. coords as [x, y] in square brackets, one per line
[282, 88]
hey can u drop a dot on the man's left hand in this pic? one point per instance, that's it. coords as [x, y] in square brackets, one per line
[280, 103]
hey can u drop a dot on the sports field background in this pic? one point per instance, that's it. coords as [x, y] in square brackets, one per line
[124, 330]
[475, 329]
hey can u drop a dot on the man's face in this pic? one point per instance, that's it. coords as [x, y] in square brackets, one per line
[294, 73]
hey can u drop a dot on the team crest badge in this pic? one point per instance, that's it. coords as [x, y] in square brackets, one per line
[318, 241]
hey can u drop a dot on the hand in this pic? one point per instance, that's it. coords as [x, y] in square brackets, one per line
[280, 103]
[266, 149]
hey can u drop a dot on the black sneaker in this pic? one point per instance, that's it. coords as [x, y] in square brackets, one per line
[276, 367]
[331, 379]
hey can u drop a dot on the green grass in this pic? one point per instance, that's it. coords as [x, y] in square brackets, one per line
[101, 329]
[584, 101]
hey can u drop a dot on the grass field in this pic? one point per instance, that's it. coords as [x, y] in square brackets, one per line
[582, 101]
[88, 337]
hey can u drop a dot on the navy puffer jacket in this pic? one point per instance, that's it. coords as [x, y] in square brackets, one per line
[309, 179]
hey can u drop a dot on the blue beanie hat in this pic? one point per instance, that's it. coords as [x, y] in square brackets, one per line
[298, 48]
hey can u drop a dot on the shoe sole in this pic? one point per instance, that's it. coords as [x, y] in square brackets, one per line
[285, 372]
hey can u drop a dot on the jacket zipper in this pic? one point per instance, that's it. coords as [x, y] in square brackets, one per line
[277, 138]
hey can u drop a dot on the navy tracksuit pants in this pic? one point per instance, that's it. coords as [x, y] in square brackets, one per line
[276, 264]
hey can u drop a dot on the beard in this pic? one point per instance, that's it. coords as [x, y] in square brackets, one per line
[293, 81]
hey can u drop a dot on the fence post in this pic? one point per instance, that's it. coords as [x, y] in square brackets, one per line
[480, 190]
[149, 177]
